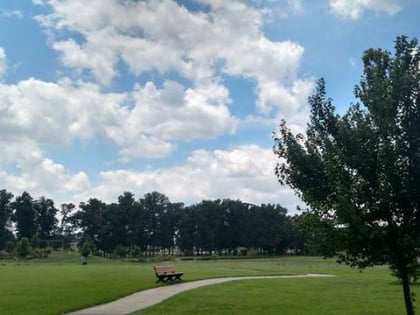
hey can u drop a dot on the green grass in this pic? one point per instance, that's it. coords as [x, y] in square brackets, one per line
[59, 284]
[374, 291]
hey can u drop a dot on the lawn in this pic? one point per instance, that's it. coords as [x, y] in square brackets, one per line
[371, 292]
[60, 285]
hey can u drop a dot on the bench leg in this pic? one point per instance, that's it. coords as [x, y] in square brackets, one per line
[161, 279]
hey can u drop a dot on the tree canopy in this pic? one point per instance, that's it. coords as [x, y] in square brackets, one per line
[153, 225]
[360, 171]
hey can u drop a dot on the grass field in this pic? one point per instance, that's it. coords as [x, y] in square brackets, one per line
[60, 285]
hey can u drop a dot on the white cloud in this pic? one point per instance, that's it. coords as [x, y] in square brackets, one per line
[32, 172]
[3, 64]
[354, 9]
[245, 173]
[199, 46]
[58, 113]
[198, 49]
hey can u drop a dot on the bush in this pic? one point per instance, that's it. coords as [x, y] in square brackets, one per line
[10, 247]
[85, 252]
[23, 248]
[120, 251]
[135, 251]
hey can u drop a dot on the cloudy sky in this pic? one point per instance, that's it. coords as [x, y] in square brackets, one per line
[104, 96]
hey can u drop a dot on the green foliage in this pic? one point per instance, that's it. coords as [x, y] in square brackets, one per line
[120, 251]
[5, 217]
[45, 217]
[41, 253]
[86, 249]
[34, 241]
[314, 235]
[361, 171]
[23, 248]
[10, 247]
[24, 215]
[135, 251]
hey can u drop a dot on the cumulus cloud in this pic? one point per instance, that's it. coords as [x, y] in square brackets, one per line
[245, 173]
[354, 9]
[58, 113]
[29, 170]
[197, 49]
[200, 46]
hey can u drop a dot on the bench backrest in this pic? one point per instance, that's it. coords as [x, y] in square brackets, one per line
[162, 270]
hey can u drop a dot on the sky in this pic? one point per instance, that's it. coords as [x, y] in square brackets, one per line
[182, 97]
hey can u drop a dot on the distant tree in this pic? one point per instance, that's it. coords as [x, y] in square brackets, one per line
[169, 226]
[210, 222]
[67, 226]
[121, 218]
[314, 235]
[90, 218]
[23, 248]
[188, 237]
[268, 223]
[5, 217]
[361, 171]
[154, 205]
[24, 216]
[45, 218]
[136, 226]
[237, 223]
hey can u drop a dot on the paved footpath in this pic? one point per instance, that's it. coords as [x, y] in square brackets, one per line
[146, 298]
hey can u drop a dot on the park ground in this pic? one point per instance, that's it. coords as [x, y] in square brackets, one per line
[59, 284]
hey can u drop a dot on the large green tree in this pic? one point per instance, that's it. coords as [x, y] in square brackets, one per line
[361, 170]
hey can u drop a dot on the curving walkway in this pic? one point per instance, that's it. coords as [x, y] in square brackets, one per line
[146, 298]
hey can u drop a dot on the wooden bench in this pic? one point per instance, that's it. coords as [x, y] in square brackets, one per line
[167, 272]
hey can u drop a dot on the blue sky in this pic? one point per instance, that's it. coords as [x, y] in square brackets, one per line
[175, 96]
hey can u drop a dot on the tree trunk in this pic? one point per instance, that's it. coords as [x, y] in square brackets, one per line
[407, 293]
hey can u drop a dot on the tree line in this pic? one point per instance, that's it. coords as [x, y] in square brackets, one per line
[153, 225]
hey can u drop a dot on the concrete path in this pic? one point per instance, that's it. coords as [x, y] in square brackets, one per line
[146, 298]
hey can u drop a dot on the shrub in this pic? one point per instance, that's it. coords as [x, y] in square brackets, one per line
[85, 252]
[23, 248]
[120, 251]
